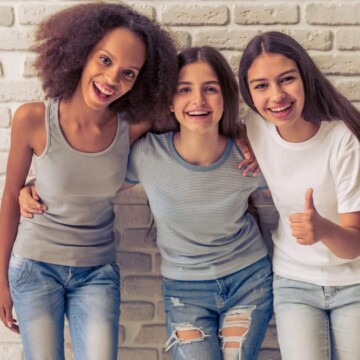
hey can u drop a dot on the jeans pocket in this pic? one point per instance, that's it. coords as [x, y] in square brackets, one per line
[19, 270]
[112, 270]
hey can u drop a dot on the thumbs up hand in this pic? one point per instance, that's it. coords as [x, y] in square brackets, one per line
[306, 227]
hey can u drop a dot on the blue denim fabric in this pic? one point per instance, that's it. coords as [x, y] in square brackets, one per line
[207, 306]
[89, 297]
[317, 322]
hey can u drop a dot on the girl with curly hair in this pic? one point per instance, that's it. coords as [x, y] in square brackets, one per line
[306, 136]
[103, 68]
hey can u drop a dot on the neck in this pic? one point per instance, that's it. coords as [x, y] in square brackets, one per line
[77, 111]
[305, 132]
[200, 149]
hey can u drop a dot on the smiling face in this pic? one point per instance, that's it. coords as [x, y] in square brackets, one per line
[277, 91]
[198, 104]
[112, 68]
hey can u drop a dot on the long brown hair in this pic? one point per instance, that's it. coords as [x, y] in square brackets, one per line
[323, 102]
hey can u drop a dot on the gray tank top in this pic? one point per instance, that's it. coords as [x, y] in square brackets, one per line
[79, 189]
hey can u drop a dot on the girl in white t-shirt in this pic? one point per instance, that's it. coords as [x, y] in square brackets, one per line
[306, 140]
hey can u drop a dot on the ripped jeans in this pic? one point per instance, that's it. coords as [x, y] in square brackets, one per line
[219, 319]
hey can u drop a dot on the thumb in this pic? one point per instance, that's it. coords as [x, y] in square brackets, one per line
[309, 201]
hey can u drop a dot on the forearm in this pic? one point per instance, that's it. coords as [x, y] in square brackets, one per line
[9, 220]
[344, 242]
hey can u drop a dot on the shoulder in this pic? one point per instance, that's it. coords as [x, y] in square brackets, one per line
[30, 115]
[341, 136]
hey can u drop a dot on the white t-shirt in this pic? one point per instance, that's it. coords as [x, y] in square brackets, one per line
[329, 163]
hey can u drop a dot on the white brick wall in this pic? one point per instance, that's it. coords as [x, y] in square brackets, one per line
[329, 30]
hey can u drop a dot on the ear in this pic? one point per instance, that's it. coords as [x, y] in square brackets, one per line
[171, 108]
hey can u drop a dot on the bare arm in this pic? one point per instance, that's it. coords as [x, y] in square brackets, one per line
[249, 163]
[342, 239]
[19, 162]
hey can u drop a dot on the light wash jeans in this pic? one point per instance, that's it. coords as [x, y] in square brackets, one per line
[317, 322]
[89, 296]
[242, 300]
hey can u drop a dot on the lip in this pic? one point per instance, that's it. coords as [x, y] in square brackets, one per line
[102, 91]
[198, 112]
[282, 110]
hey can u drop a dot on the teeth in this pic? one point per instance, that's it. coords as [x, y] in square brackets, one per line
[282, 108]
[198, 112]
[103, 89]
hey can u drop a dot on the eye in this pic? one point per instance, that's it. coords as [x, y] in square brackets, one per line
[183, 90]
[129, 74]
[105, 60]
[212, 89]
[260, 86]
[287, 79]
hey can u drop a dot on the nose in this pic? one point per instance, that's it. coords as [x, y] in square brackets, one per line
[278, 93]
[198, 97]
[113, 76]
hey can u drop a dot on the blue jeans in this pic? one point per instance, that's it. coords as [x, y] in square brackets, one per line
[89, 297]
[217, 319]
[317, 322]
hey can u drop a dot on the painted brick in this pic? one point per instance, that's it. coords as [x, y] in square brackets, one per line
[347, 39]
[270, 341]
[182, 38]
[4, 139]
[7, 336]
[138, 354]
[312, 39]
[135, 195]
[349, 88]
[331, 64]
[134, 261]
[122, 334]
[11, 352]
[151, 334]
[133, 215]
[15, 39]
[147, 287]
[157, 262]
[269, 355]
[6, 15]
[327, 13]
[29, 70]
[195, 15]
[139, 238]
[3, 162]
[246, 14]
[147, 10]
[224, 39]
[34, 14]
[160, 312]
[5, 117]
[137, 311]
[21, 91]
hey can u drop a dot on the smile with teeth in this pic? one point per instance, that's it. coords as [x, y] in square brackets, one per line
[198, 113]
[103, 90]
[281, 108]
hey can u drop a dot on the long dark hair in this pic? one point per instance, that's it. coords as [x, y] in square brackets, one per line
[323, 102]
[229, 123]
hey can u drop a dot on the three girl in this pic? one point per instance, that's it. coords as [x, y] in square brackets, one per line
[307, 142]
[97, 63]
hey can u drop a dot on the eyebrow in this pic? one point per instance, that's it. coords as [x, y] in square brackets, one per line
[205, 83]
[282, 74]
[111, 55]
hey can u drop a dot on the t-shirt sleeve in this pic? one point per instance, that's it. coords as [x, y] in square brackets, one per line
[134, 162]
[346, 172]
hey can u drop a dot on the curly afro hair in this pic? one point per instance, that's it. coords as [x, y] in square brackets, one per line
[64, 40]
